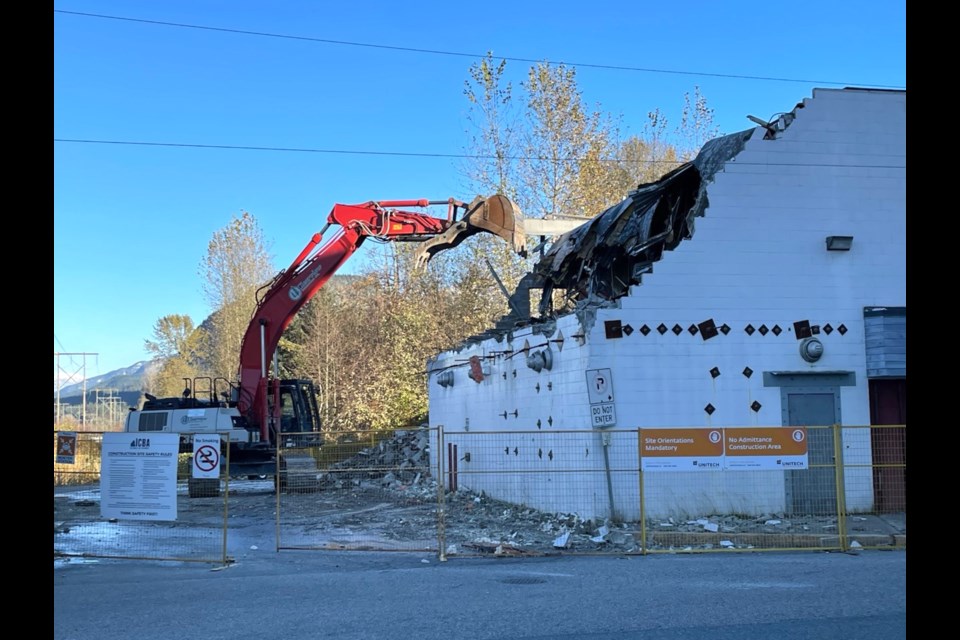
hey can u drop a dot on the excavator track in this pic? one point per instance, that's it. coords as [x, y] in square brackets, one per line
[298, 473]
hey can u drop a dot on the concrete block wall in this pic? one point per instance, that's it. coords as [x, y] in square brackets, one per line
[758, 257]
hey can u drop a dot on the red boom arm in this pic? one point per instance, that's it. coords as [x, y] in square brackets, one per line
[312, 268]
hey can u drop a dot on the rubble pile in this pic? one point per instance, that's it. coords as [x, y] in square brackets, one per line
[398, 462]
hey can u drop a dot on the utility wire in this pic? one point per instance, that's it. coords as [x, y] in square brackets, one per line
[470, 55]
[451, 155]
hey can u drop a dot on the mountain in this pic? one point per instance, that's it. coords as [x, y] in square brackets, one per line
[127, 382]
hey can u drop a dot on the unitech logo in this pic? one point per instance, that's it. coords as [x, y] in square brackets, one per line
[296, 291]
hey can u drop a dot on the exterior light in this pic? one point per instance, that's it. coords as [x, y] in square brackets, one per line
[839, 243]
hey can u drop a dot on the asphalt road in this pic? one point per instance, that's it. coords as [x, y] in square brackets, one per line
[413, 596]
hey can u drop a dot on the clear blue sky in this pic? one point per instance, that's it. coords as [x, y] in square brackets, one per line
[132, 223]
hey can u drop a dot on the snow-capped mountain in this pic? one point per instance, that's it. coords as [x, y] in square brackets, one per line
[126, 379]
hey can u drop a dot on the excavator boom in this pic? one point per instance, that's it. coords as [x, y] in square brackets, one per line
[293, 287]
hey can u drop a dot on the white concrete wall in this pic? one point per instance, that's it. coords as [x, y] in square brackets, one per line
[758, 257]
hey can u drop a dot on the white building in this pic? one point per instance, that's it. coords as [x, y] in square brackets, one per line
[698, 294]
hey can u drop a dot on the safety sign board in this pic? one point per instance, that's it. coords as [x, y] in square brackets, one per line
[66, 447]
[766, 448]
[726, 448]
[138, 476]
[206, 456]
[681, 449]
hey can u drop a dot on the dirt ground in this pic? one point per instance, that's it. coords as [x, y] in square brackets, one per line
[384, 498]
[350, 513]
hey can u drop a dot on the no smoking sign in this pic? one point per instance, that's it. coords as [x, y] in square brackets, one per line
[206, 456]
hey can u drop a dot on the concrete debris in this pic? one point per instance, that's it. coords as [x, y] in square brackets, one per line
[400, 461]
[856, 545]
[475, 522]
[501, 550]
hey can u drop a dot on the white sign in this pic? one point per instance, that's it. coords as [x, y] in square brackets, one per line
[206, 456]
[603, 415]
[138, 476]
[600, 385]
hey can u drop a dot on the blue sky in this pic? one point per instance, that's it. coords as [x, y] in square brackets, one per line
[132, 222]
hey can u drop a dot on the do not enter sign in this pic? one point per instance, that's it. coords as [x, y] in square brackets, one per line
[206, 456]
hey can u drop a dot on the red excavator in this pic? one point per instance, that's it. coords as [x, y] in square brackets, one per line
[262, 415]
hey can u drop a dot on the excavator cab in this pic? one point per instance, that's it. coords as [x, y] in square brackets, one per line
[297, 414]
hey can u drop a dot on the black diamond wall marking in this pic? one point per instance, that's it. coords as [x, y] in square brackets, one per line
[613, 329]
[662, 329]
[747, 371]
[827, 329]
[693, 329]
[815, 329]
[763, 330]
[724, 329]
[714, 372]
[841, 329]
[801, 329]
[749, 329]
[709, 409]
[677, 329]
[645, 330]
[627, 329]
[756, 406]
[776, 330]
[708, 329]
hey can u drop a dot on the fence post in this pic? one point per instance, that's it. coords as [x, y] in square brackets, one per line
[441, 499]
[643, 514]
[226, 497]
[841, 489]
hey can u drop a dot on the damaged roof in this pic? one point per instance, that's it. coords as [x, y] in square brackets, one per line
[604, 257]
[598, 261]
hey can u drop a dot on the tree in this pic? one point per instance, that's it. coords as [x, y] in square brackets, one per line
[237, 263]
[565, 145]
[696, 124]
[173, 336]
[176, 345]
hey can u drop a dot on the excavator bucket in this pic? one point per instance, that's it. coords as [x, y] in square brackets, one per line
[494, 214]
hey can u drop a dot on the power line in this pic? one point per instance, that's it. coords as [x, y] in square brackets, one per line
[344, 151]
[453, 155]
[462, 54]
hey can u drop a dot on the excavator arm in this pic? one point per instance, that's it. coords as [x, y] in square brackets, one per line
[281, 299]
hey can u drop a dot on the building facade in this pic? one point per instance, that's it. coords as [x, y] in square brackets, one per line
[763, 285]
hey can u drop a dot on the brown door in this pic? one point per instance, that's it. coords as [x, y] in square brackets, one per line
[888, 406]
